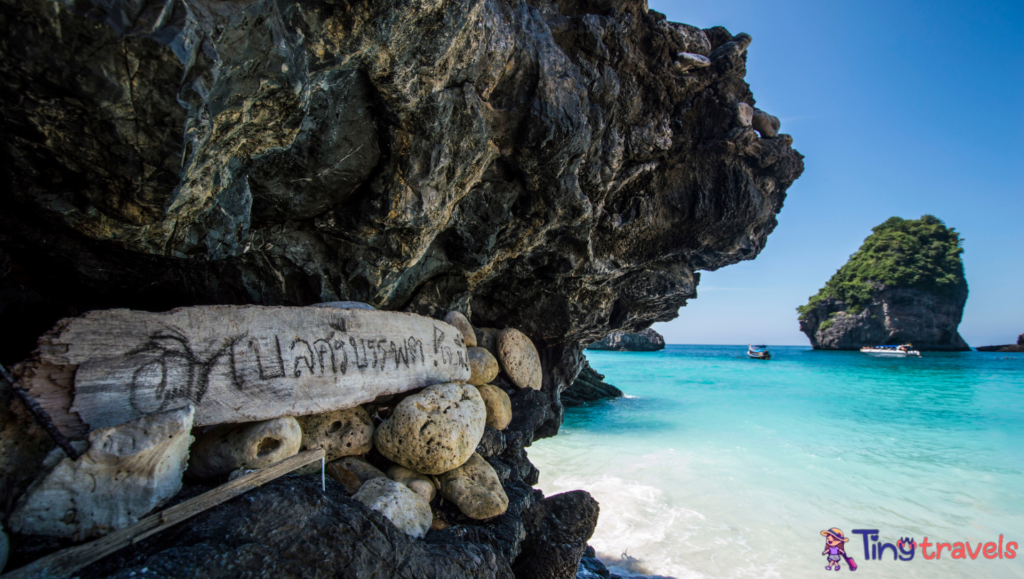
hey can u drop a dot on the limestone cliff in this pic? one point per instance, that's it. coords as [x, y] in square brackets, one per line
[564, 168]
[905, 284]
[645, 341]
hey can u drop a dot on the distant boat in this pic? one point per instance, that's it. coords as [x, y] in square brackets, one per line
[759, 352]
[898, 351]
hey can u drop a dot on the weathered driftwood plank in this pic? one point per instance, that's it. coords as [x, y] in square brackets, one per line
[66, 562]
[235, 363]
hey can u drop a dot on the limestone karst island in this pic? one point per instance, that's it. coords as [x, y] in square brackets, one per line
[504, 289]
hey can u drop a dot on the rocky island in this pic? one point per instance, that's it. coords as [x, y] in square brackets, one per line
[904, 285]
[1018, 347]
[512, 180]
[645, 341]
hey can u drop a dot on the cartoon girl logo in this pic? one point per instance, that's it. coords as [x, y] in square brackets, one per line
[835, 550]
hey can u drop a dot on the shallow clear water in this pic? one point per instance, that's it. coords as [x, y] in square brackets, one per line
[720, 466]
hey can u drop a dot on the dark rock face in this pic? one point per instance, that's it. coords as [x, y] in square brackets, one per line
[589, 386]
[894, 316]
[1018, 347]
[290, 528]
[543, 163]
[558, 528]
[645, 341]
[591, 567]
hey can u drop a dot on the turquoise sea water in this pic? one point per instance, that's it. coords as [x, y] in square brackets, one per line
[719, 466]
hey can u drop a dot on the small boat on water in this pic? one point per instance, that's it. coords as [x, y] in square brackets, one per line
[901, 351]
[759, 352]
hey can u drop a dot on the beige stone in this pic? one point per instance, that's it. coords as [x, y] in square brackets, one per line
[474, 488]
[340, 433]
[462, 324]
[352, 472]
[406, 509]
[519, 359]
[767, 125]
[128, 470]
[499, 407]
[686, 61]
[483, 366]
[434, 430]
[744, 114]
[419, 483]
[487, 338]
[228, 447]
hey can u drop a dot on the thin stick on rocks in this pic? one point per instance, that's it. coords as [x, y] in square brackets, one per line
[41, 416]
[64, 563]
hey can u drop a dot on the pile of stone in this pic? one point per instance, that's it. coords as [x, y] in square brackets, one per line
[400, 451]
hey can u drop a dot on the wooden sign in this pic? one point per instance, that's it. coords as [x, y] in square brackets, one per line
[235, 363]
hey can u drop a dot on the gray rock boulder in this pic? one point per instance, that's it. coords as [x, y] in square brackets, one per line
[687, 61]
[434, 430]
[127, 471]
[645, 341]
[767, 125]
[229, 447]
[475, 489]
[403, 507]
[744, 114]
[418, 483]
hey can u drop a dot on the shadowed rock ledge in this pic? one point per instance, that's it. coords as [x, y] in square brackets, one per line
[589, 386]
[563, 168]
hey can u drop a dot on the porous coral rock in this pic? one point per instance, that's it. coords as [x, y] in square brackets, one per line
[434, 430]
[228, 447]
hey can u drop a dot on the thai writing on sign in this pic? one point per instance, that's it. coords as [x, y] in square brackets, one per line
[239, 363]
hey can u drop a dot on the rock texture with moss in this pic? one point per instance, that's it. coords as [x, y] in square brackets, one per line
[905, 284]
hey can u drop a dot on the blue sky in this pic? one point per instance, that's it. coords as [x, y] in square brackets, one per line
[900, 108]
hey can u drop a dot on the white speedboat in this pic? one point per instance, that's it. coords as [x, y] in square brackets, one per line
[898, 351]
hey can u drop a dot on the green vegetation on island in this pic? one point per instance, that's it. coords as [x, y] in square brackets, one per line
[900, 253]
